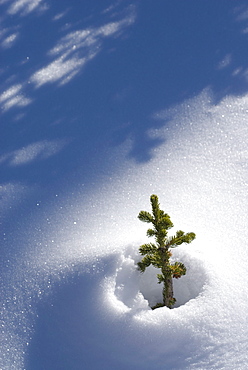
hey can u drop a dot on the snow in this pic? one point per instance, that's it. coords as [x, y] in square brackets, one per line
[209, 326]
[25, 6]
[71, 295]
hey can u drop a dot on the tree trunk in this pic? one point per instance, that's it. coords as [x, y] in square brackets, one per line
[168, 299]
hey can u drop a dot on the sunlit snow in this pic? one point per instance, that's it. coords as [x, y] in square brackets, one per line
[203, 187]
[37, 151]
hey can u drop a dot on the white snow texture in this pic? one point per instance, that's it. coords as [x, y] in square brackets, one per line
[200, 176]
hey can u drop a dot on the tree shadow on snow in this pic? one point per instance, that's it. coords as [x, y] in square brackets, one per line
[93, 76]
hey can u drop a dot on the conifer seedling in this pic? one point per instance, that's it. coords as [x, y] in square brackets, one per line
[159, 254]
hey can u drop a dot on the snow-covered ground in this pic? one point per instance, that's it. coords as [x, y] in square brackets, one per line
[71, 295]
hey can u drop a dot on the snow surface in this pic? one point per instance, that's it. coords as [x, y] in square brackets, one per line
[72, 297]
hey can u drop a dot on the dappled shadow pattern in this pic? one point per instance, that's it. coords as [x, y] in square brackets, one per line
[78, 80]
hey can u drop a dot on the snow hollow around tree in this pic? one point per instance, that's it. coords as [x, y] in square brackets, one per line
[141, 290]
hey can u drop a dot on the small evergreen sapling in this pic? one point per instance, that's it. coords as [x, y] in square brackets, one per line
[159, 254]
